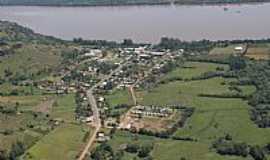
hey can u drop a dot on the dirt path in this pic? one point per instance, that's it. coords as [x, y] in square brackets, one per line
[131, 90]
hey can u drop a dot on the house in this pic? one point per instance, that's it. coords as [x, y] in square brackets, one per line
[88, 119]
[157, 53]
[101, 137]
[238, 48]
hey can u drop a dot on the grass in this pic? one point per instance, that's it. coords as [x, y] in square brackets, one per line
[193, 69]
[225, 50]
[118, 97]
[19, 124]
[8, 88]
[213, 117]
[64, 108]
[30, 59]
[174, 150]
[64, 143]
[26, 103]
[183, 92]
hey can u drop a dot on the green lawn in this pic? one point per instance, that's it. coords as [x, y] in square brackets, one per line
[64, 143]
[193, 69]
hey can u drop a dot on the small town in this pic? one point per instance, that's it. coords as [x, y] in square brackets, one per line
[134, 80]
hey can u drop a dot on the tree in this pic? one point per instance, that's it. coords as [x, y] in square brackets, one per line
[257, 153]
[237, 63]
[132, 148]
[17, 149]
[3, 155]
[144, 151]
[128, 42]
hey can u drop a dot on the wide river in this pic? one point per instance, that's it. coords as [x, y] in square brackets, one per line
[145, 23]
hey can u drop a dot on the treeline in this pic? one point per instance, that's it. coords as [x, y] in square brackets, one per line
[105, 151]
[226, 146]
[202, 45]
[256, 73]
[108, 44]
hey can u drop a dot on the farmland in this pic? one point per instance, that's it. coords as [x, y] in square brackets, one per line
[258, 52]
[213, 117]
[67, 140]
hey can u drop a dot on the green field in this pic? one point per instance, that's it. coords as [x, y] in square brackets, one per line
[30, 59]
[118, 97]
[213, 117]
[64, 108]
[193, 69]
[64, 143]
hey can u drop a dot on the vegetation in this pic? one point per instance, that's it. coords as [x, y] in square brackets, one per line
[63, 143]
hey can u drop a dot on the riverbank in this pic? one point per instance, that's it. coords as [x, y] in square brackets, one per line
[79, 3]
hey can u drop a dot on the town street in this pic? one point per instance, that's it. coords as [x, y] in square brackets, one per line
[96, 117]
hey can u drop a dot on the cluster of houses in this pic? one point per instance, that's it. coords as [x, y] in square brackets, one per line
[151, 111]
[58, 87]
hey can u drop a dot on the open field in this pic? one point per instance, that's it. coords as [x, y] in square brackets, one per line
[213, 118]
[193, 69]
[118, 97]
[24, 127]
[64, 143]
[166, 149]
[29, 127]
[31, 59]
[258, 52]
[64, 108]
[25, 103]
[9, 89]
[225, 50]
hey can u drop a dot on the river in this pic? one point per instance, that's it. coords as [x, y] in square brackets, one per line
[145, 23]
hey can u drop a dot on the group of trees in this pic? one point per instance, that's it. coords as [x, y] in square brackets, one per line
[17, 149]
[174, 44]
[107, 44]
[142, 151]
[105, 152]
[83, 109]
[226, 146]
[257, 73]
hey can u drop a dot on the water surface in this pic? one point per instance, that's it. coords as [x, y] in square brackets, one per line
[145, 23]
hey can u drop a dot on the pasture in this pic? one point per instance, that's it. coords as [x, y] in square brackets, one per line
[63, 143]
[213, 117]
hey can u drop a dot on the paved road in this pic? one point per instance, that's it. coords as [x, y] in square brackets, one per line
[96, 115]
